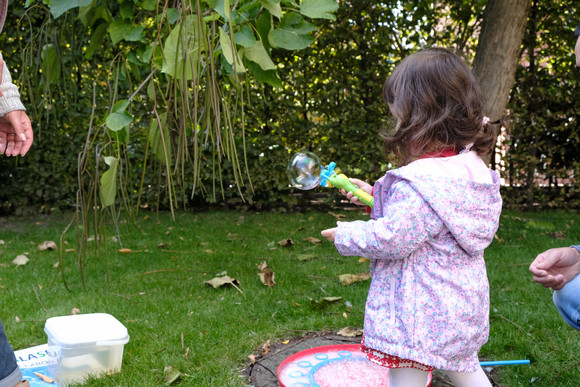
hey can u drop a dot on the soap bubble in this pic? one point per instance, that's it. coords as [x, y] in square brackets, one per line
[304, 170]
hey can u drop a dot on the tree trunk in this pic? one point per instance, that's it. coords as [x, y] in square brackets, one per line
[498, 51]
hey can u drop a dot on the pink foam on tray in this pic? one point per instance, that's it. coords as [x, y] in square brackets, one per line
[345, 366]
[348, 373]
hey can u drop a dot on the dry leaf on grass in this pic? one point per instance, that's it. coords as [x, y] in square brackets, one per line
[347, 279]
[557, 234]
[313, 240]
[338, 216]
[350, 332]
[319, 304]
[286, 242]
[218, 282]
[20, 260]
[306, 257]
[47, 245]
[266, 347]
[125, 251]
[171, 375]
[266, 275]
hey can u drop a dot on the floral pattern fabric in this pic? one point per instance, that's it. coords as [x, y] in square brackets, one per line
[429, 296]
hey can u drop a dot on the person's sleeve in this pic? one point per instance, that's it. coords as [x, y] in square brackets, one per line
[408, 221]
[10, 99]
[577, 247]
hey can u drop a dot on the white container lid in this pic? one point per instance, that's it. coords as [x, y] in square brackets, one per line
[85, 330]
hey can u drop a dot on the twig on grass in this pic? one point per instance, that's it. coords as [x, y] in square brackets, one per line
[157, 271]
[38, 299]
[510, 321]
[566, 370]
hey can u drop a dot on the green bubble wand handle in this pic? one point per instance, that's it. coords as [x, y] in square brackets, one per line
[331, 179]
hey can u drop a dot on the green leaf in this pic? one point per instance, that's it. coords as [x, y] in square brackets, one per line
[319, 9]
[182, 49]
[119, 118]
[117, 121]
[264, 27]
[149, 5]
[273, 7]
[58, 7]
[50, 64]
[292, 33]
[119, 29]
[245, 37]
[228, 52]
[271, 76]
[258, 54]
[108, 189]
[222, 7]
[135, 35]
[159, 139]
[97, 38]
[126, 10]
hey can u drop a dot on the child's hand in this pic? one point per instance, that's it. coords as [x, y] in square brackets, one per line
[362, 185]
[329, 234]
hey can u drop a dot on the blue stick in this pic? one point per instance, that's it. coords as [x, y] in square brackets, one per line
[503, 362]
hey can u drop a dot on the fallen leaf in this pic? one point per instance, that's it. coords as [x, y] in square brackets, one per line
[171, 375]
[1, 242]
[557, 235]
[252, 358]
[313, 240]
[75, 311]
[285, 341]
[286, 242]
[125, 251]
[266, 347]
[363, 259]
[20, 260]
[266, 275]
[347, 279]
[344, 315]
[17, 319]
[306, 257]
[44, 378]
[319, 304]
[338, 216]
[218, 282]
[47, 245]
[350, 332]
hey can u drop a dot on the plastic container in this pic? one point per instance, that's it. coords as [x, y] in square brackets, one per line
[85, 344]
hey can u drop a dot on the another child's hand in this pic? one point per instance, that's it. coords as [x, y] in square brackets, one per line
[329, 233]
[362, 185]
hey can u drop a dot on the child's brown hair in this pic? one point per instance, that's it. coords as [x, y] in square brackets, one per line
[437, 103]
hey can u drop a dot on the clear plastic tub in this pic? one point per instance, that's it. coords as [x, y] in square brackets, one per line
[85, 344]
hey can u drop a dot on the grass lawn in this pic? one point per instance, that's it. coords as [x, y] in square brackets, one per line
[157, 291]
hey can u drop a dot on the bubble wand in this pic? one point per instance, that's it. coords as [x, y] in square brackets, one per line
[306, 172]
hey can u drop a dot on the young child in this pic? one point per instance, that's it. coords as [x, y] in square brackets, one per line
[428, 303]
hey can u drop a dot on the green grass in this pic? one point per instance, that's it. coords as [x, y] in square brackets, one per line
[174, 319]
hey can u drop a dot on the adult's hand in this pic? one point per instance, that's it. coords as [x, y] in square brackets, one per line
[554, 268]
[15, 133]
